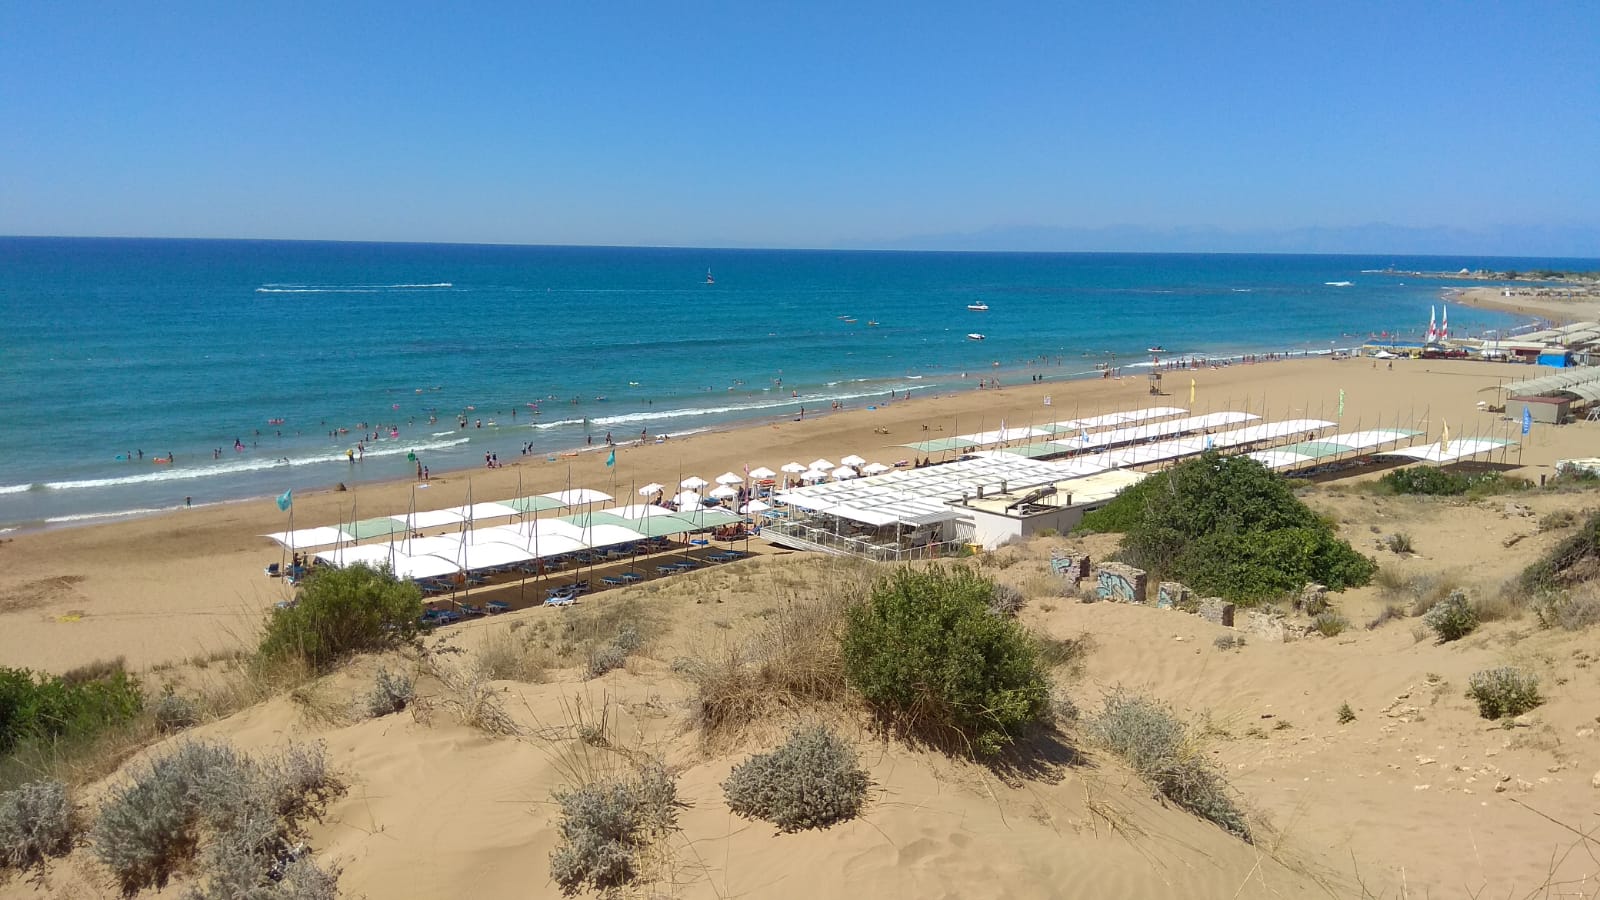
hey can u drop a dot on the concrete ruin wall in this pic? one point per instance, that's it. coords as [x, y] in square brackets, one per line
[1172, 595]
[1119, 583]
[1071, 566]
[1217, 611]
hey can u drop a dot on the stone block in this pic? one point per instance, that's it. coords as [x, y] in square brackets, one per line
[1171, 595]
[1119, 583]
[1267, 626]
[1071, 566]
[1313, 599]
[1217, 611]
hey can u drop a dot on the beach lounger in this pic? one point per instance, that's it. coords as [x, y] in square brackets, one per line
[667, 569]
[497, 606]
[563, 600]
[612, 581]
[630, 577]
[273, 570]
[467, 609]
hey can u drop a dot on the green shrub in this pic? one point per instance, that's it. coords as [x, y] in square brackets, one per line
[174, 713]
[926, 652]
[39, 706]
[1150, 738]
[1346, 714]
[391, 693]
[1227, 526]
[36, 821]
[1504, 692]
[1574, 560]
[605, 827]
[1452, 618]
[1329, 623]
[1434, 481]
[340, 612]
[812, 781]
[154, 822]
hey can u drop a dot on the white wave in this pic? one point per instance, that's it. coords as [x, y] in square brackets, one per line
[267, 290]
[686, 412]
[442, 433]
[558, 423]
[15, 488]
[438, 284]
[120, 514]
[182, 473]
[8, 530]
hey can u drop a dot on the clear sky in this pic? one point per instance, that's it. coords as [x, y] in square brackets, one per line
[791, 124]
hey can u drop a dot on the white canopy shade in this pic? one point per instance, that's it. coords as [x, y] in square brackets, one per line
[755, 506]
[687, 500]
[375, 555]
[432, 518]
[693, 483]
[729, 478]
[423, 567]
[310, 537]
[651, 489]
[762, 472]
[577, 496]
[445, 545]
[852, 460]
[609, 535]
[493, 554]
[875, 469]
[821, 464]
[794, 468]
[724, 491]
[843, 472]
[546, 546]
[479, 512]
[639, 511]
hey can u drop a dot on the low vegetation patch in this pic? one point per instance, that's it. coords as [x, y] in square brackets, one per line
[1434, 481]
[1570, 610]
[930, 657]
[614, 654]
[37, 821]
[1399, 543]
[1346, 715]
[340, 612]
[1228, 641]
[35, 706]
[1504, 692]
[607, 826]
[1452, 618]
[1329, 623]
[1574, 561]
[173, 712]
[391, 692]
[1228, 526]
[1389, 613]
[812, 781]
[248, 813]
[1149, 737]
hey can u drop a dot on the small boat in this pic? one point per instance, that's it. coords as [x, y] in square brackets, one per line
[1338, 283]
[980, 306]
[709, 279]
[1156, 349]
[849, 320]
[974, 336]
[872, 323]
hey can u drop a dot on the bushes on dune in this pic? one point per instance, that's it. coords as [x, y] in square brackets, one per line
[1230, 527]
[36, 821]
[35, 706]
[1504, 692]
[606, 827]
[812, 781]
[1576, 559]
[1434, 481]
[927, 653]
[341, 612]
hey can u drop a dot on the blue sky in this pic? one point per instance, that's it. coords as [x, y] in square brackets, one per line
[791, 124]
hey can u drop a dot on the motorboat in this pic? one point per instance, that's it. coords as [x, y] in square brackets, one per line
[980, 306]
[709, 279]
[1156, 349]
[974, 336]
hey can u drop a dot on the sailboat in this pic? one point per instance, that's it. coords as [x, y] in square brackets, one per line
[1433, 331]
[979, 306]
[1444, 326]
[709, 279]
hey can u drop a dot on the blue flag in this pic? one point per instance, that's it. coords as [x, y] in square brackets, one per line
[611, 459]
[1527, 420]
[286, 499]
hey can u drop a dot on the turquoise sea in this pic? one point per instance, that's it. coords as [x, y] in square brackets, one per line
[242, 360]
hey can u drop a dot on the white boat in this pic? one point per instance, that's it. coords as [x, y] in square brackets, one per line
[974, 336]
[980, 306]
[1156, 349]
[709, 279]
[1338, 283]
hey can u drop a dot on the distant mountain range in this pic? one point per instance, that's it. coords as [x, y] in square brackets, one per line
[1503, 240]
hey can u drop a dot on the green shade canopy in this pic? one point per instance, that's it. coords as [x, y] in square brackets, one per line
[710, 517]
[1034, 451]
[938, 445]
[382, 526]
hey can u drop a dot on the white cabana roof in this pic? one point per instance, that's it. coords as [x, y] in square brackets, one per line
[424, 567]
[1001, 435]
[371, 555]
[1152, 430]
[432, 518]
[445, 545]
[301, 538]
[479, 512]
[639, 511]
[1117, 418]
[606, 534]
[481, 554]
[1460, 448]
[577, 496]
[547, 545]
[922, 496]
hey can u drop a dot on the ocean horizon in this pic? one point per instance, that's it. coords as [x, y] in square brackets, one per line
[262, 366]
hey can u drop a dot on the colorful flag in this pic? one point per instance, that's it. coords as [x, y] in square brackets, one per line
[611, 458]
[1341, 403]
[1083, 435]
[1527, 420]
[286, 499]
[1191, 392]
[1208, 442]
[1444, 439]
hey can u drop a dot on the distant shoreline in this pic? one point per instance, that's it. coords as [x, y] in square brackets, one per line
[1578, 305]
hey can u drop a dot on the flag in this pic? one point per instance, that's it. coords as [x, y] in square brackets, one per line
[1208, 442]
[286, 499]
[611, 458]
[1191, 392]
[1444, 439]
[1527, 420]
[1341, 403]
[1083, 435]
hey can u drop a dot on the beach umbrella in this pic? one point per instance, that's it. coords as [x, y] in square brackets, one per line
[651, 488]
[821, 464]
[815, 475]
[875, 469]
[794, 468]
[687, 500]
[724, 491]
[843, 472]
[729, 478]
[852, 460]
[693, 483]
[755, 506]
[762, 472]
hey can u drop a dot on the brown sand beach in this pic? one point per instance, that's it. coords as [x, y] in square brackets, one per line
[1563, 304]
[1412, 795]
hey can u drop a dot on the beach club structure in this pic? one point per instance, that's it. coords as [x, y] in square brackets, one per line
[1004, 485]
